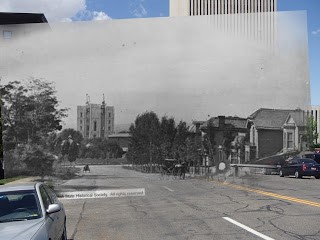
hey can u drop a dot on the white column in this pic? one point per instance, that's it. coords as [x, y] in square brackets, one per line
[187, 7]
[191, 7]
[225, 6]
[212, 6]
[242, 6]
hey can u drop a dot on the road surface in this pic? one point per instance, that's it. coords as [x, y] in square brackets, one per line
[252, 207]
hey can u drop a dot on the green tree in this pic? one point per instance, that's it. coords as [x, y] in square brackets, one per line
[30, 111]
[182, 142]
[209, 142]
[39, 162]
[167, 136]
[145, 139]
[311, 135]
[58, 142]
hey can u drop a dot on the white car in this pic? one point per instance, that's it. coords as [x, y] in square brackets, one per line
[31, 211]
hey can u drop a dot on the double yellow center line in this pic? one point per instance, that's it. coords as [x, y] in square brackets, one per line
[270, 194]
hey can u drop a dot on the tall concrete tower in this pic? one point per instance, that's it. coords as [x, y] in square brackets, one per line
[213, 7]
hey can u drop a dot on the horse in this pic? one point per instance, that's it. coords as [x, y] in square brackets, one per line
[86, 168]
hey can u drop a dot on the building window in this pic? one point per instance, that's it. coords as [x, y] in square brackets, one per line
[80, 121]
[95, 126]
[109, 128]
[109, 122]
[81, 115]
[290, 140]
[80, 128]
[88, 128]
[7, 34]
[109, 115]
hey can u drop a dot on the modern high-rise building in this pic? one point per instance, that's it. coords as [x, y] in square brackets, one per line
[95, 120]
[253, 19]
[213, 7]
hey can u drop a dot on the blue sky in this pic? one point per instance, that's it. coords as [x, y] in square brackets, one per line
[160, 8]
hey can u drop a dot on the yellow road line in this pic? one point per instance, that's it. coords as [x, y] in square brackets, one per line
[270, 194]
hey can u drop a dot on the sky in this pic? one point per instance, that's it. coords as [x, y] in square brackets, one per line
[87, 10]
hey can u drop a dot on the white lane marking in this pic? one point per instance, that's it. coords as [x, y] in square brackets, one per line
[169, 189]
[248, 229]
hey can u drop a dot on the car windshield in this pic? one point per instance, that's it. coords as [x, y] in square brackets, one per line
[306, 160]
[18, 206]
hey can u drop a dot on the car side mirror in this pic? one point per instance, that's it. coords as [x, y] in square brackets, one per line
[53, 208]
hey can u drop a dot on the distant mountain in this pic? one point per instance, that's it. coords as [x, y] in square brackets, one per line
[121, 127]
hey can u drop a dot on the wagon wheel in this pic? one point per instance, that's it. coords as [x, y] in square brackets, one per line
[176, 172]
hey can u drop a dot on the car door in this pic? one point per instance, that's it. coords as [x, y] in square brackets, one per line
[289, 168]
[294, 166]
[60, 216]
[286, 167]
[50, 220]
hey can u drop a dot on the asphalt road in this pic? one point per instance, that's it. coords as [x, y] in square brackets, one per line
[251, 207]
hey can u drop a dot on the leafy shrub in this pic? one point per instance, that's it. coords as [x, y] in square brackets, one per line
[39, 162]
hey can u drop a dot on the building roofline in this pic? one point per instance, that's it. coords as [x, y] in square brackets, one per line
[10, 18]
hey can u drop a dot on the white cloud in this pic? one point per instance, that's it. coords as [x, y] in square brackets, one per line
[66, 20]
[100, 16]
[137, 8]
[54, 10]
[316, 31]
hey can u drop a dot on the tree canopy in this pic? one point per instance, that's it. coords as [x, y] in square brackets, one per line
[30, 111]
[154, 140]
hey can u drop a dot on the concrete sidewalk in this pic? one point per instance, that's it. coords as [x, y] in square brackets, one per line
[49, 181]
[24, 180]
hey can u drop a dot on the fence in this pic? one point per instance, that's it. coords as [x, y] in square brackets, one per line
[241, 169]
[236, 170]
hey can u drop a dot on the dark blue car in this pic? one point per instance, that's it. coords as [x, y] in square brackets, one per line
[300, 167]
[314, 156]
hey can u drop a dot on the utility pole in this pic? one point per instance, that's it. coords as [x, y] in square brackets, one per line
[150, 157]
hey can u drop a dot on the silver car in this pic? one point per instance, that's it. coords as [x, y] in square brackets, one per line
[31, 211]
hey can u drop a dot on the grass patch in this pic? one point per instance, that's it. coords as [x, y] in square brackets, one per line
[7, 180]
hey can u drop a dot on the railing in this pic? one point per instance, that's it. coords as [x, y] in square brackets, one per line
[239, 169]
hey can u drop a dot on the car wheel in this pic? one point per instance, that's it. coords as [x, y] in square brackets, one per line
[297, 174]
[317, 176]
[281, 173]
[64, 234]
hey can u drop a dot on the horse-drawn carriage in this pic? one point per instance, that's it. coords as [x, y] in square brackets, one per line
[174, 168]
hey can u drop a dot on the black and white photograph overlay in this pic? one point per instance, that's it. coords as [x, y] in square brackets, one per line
[160, 119]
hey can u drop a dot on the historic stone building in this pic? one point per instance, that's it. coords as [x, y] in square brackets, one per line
[95, 120]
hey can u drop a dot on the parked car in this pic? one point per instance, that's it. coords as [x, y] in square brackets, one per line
[314, 156]
[31, 211]
[300, 167]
